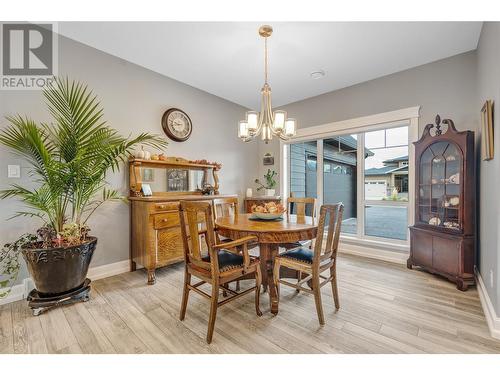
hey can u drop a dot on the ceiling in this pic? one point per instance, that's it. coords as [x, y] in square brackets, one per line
[226, 59]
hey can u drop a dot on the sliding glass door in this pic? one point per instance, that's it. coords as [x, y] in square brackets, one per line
[368, 171]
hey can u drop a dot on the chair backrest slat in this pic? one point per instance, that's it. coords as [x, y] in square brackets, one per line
[225, 207]
[193, 217]
[301, 205]
[334, 225]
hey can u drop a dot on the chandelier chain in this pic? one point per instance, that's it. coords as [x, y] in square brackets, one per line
[265, 60]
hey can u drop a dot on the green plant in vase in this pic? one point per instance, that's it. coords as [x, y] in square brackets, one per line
[69, 160]
[269, 183]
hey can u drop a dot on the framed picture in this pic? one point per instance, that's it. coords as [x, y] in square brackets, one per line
[148, 175]
[268, 159]
[177, 180]
[146, 190]
[487, 144]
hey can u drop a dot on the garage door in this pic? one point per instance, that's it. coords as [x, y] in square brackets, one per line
[339, 185]
[375, 189]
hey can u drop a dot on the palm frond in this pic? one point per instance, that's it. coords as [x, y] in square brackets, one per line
[71, 156]
[31, 142]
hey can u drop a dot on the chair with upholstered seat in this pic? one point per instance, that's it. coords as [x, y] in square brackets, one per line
[225, 262]
[228, 207]
[314, 262]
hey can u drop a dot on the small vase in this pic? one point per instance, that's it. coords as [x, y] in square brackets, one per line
[270, 192]
[249, 193]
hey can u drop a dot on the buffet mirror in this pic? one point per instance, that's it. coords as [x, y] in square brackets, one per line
[172, 176]
[174, 179]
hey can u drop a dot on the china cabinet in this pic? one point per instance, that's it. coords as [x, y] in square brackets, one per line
[442, 240]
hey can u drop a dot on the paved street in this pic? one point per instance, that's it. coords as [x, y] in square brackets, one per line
[387, 222]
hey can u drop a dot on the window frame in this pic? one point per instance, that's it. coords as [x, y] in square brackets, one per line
[360, 126]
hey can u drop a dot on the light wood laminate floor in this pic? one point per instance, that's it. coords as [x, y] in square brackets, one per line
[385, 308]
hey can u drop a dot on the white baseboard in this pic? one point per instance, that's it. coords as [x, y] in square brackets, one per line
[21, 291]
[489, 312]
[16, 294]
[107, 270]
[373, 253]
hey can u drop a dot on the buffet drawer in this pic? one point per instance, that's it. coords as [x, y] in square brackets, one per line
[166, 206]
[167, 220]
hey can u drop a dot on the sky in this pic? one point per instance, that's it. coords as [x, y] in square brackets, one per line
[386, 144]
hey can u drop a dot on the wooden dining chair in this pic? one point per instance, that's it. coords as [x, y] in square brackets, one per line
[314, 262]
[224, 263]
[301, 205]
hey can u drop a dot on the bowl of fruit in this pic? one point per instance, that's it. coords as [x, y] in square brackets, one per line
[268, 211]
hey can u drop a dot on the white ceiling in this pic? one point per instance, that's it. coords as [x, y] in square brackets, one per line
[226, 59]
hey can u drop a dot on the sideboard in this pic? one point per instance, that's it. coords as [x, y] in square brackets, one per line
[155, 234]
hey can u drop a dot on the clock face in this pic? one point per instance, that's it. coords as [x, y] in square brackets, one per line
[176, 125]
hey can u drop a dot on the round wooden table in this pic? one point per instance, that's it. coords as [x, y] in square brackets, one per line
[270, 234]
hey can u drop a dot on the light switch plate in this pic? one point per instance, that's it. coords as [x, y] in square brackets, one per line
[13, 171]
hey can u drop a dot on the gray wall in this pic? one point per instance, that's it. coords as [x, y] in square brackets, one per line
[488, 68]
[455, 87]
[134, 100]
[447, 87]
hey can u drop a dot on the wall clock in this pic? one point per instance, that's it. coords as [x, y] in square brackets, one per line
[176, 124]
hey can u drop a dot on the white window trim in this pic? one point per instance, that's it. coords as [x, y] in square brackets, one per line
[367, 123]
[361, 124]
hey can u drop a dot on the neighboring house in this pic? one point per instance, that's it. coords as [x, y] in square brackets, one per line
[339, 171]
[380, 182]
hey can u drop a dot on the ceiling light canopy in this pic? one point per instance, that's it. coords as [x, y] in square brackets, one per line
[318, 74]
[268, 122]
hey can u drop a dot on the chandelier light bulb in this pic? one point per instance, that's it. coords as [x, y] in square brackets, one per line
[267, 134]
[290, 127]
[252, 120]
[243, 129]
[279, 120]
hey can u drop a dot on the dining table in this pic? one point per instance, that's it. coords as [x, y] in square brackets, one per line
[270, 234]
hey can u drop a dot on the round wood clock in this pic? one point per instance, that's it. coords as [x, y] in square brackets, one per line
[177, 125]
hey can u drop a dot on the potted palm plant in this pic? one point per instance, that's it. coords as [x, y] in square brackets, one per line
[69, 160]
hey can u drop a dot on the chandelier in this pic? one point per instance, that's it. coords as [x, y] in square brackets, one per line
[266, 123]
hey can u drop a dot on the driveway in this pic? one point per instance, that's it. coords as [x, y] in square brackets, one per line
[380, 221]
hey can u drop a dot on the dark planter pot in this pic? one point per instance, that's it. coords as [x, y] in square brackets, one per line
[59, 270]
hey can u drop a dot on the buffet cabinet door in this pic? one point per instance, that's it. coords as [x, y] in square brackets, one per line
[169, 246]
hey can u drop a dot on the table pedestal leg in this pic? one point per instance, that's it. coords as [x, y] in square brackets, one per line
[268, 252]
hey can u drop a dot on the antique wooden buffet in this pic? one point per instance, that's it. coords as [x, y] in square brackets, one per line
[442, 241]
[155, 224]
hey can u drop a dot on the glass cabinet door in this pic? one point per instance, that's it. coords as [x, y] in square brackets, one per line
[439, 186]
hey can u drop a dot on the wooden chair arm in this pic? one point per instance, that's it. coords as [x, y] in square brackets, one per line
[235, 243]
[242, 244]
